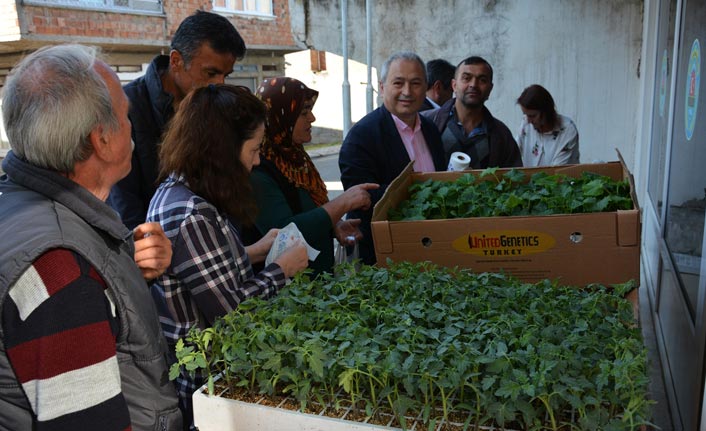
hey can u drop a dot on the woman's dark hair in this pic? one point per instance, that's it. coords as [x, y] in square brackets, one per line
[538, 98]
[203, 143]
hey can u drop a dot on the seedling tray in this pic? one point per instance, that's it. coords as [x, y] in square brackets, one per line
[220, 412]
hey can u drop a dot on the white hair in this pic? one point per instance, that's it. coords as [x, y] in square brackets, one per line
[52, 100]
[402, 55]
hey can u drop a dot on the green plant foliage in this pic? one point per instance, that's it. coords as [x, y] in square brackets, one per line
[511, 195]
[444, 344]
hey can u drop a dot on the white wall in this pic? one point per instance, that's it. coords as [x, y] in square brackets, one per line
[329, 108]
[586, 52]
[4, 143]
[587, 55]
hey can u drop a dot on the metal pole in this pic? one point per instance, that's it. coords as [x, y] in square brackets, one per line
[346, 86]
[369, 54]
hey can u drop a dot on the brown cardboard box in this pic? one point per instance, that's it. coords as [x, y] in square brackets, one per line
[577, 249]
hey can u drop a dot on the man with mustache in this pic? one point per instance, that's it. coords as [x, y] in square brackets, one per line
[383, 142]
[80, 342]
[467, 125]
[203, 51]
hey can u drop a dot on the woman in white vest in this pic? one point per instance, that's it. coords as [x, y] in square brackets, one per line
[545, 138]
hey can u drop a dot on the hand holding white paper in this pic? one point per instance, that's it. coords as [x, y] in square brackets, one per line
[288, 236]
[459, 161]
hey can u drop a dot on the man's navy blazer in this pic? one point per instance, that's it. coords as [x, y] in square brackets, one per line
[373, 152]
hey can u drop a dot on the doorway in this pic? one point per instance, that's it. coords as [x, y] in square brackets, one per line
[674, 211]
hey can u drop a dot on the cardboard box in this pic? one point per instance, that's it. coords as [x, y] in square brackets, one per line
[577, 249]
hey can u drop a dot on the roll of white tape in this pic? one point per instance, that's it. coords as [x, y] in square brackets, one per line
[459, 161]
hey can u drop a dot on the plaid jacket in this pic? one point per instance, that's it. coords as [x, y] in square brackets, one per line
[210, 273]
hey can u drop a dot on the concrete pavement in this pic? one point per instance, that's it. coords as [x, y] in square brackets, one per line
[323, 151]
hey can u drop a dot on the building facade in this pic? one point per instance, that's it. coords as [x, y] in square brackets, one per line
[132, 32]
[671, 148]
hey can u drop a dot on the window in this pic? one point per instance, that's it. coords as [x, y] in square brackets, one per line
[248, 7]
[660, 112]
[318, 60]
[115, 5]
[685, 216]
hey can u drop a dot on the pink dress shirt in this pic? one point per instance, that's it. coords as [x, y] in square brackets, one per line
[415, 144]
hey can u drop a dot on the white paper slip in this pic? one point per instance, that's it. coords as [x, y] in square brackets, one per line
[287, 237]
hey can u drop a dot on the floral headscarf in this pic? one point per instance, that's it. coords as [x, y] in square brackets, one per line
[285, 99]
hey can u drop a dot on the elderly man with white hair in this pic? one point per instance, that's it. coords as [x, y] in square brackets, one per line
[383, 142]
[80, 341]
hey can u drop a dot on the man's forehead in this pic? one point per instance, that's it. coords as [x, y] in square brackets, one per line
[207, 56]
[412, 69]
[474, 69]
[107, 73]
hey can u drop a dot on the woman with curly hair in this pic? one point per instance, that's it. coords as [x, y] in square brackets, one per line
[204, 200]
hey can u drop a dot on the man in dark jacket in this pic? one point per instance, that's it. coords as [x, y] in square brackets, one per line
[466, 125]
[383, 142]
[440, 73]
[203, 51]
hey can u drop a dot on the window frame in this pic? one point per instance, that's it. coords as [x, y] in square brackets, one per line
[156, 6]
[231, 8]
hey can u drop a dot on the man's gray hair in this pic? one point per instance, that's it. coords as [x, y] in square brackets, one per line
[51, 102]
[402, 55]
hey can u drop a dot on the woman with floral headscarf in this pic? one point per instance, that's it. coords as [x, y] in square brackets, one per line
[287, 185]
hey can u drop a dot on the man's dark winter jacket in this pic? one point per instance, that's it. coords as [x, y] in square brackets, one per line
[150, 111]
[502, 150]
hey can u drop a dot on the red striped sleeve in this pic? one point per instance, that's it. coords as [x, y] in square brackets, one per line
[57, 269]
[60, 336]
[69, 350]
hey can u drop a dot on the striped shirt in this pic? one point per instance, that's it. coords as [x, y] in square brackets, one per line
[210, 273]
[60, 333]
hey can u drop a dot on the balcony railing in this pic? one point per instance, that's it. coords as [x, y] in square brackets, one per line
[111, 5]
